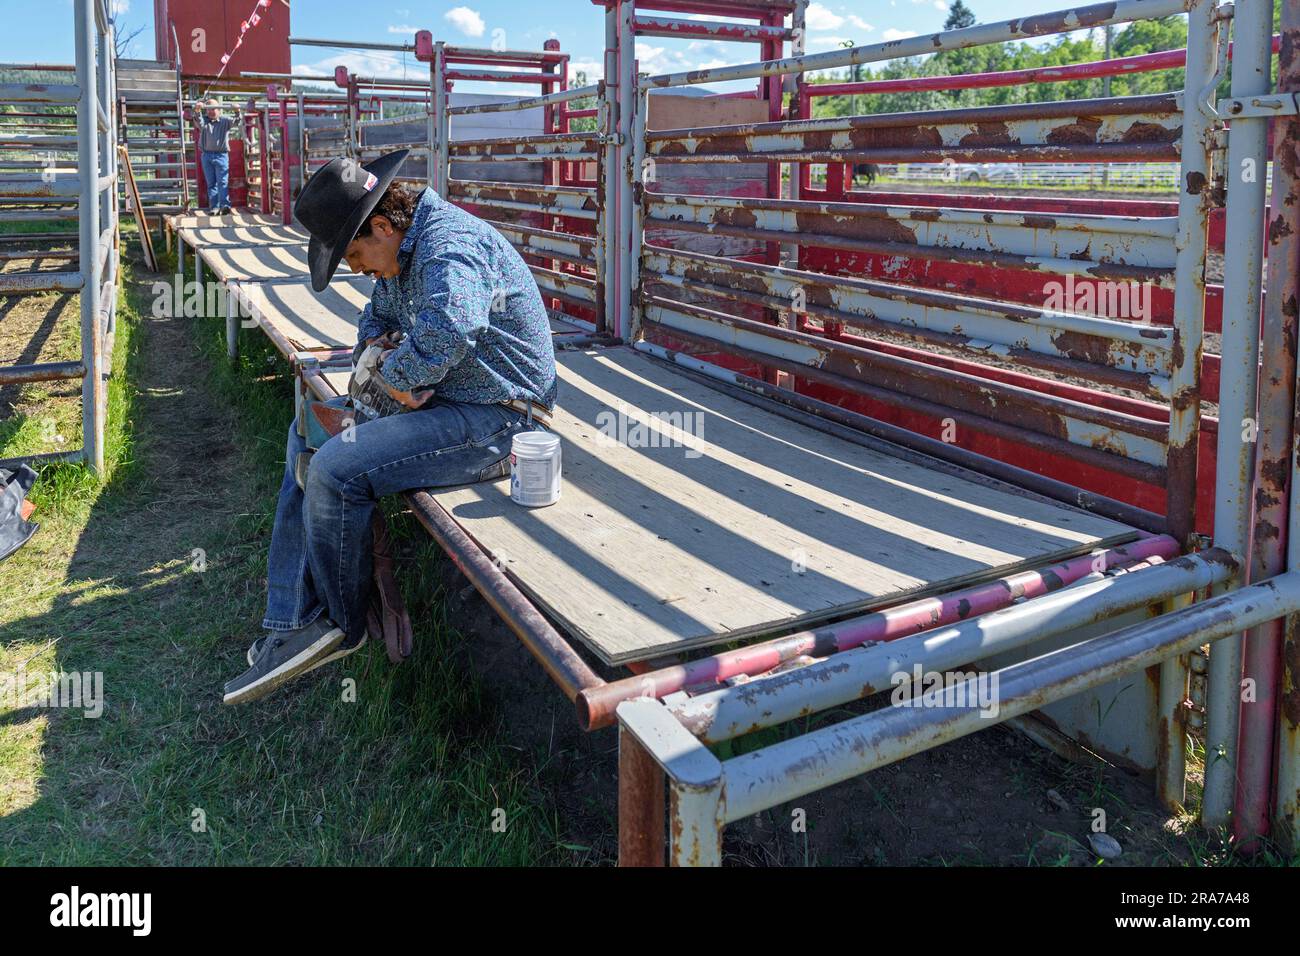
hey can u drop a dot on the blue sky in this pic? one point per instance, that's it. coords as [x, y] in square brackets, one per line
[41, 30]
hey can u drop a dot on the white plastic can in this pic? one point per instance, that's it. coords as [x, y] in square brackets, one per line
[535, 469]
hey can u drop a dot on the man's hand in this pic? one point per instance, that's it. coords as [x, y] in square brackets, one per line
[409, 399]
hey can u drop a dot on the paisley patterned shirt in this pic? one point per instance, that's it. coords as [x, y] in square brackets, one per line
[476, 329]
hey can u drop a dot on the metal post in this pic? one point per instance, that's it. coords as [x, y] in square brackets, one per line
[640, 804]
[88, 254]
[302, 141]
[1284, 248]
[1194, 199]
[1241, 423]
[107, 155]
[694, 779]
[286, 164]
[1185, 407]
[1171, 723]
[625, 174]
[442, 152]
[431, 120]
[612, 179]
[353, 133]
[232, 324]
[264, 154]
[632, 268]
[601, 252]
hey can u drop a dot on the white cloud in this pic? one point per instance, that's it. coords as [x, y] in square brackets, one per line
[120, 7]
[465, 20]
[646, 53]
[892, 34]
[860, 23]
[702, 55]
[594, 69]
[402, 28]
[819, 17]
[826, 43]
[363, 64]
[941, 6]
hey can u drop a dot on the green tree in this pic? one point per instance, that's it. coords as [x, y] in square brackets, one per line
[959, 16]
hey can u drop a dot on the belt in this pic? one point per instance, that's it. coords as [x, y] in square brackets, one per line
[534, 410]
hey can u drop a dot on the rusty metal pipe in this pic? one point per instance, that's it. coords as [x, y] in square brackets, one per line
[1138, 471]
[769, 701]
[783, 771]
[1238, 403]
[569, 671]
[1284, 241]
[985, 406]
[1046, 24]
[597, 707]
[975, 348]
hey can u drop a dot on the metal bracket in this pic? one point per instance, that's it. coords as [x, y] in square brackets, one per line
[1254, 107]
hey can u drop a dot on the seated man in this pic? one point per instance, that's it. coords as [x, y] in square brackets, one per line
[475, 365]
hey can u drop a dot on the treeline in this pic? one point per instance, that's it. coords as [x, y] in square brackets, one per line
[1144, 37]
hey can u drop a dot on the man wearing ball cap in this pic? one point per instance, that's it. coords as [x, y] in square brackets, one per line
[467, 349]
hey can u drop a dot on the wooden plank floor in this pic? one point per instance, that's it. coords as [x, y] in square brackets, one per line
[750, 523]
[310, 320]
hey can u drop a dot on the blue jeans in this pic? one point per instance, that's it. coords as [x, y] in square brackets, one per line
[216, 173]
[320, 558]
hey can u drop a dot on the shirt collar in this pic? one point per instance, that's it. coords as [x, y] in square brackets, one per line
[429, 201]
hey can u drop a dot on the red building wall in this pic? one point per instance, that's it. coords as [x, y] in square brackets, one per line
[265, 48]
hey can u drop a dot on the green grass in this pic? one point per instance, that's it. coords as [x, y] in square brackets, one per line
[371, 763]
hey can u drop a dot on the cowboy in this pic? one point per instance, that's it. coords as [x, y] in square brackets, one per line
[474, 365]
[214, 153]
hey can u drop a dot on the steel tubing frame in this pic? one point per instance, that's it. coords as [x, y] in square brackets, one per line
[707, 794]
[1234, 475]
[94, 191]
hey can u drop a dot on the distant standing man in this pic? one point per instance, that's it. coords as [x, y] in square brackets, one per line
[214, 148]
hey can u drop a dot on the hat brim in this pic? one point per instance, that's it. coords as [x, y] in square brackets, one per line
[323, 257]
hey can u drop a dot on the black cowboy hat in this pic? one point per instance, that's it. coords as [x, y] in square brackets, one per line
[335, 202]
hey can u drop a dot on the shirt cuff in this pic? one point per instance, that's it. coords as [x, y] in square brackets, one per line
[406, 371]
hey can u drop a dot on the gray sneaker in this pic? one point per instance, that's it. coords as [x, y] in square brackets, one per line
[284, 656]
[343, 650]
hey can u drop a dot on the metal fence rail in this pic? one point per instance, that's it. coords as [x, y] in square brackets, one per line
[68, 170]
[835, 322]
[555, 218]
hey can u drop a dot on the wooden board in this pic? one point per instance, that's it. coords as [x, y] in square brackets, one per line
[237, 263]
[137, 208]
[310, 320]
[749, 524]
[237, 217]
[243, 236]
